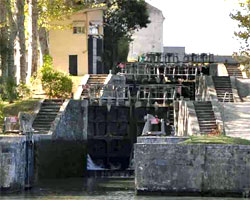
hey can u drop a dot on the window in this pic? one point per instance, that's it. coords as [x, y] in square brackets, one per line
[93, 29]
[78, 30]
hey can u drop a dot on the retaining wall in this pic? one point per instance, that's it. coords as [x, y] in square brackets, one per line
[62, 153]
[217, 170]
[12, 163]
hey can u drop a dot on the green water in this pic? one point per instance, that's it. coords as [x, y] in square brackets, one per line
[90, 189]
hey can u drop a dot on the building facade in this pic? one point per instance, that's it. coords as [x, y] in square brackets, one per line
[77, 48]
[148, 39]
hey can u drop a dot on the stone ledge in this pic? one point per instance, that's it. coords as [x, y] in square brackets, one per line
[160, 140]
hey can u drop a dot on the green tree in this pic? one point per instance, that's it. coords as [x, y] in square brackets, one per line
[121, 19]
[242, 16]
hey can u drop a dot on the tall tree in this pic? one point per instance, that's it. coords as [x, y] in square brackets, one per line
[21, 35]
[34, 36]
[12, 36]
[121, 19]
[3, 38]
[49, 11]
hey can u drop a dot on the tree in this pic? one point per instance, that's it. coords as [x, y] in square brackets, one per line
[121, 19]
[21, 35]
[34, 44]
[3, 38]
[242, 16]
[48, 11]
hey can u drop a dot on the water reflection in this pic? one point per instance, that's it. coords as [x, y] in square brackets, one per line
[90, 189]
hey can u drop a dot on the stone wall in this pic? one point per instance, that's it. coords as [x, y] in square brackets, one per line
[187, 120]
[70, 124]
[206, 90]
[243, 87]
[222, 70]
[218, 170]
[148, 39]
[62, 153]
[12, 163]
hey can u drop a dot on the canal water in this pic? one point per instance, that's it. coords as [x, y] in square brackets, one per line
[90, 189]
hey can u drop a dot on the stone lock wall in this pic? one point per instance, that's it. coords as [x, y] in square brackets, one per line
[12, 163]
[217, 170]
[62, 154]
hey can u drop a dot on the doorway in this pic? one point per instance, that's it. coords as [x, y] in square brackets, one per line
[73, 65]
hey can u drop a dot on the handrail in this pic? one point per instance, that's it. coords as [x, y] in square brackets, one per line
[225, 95]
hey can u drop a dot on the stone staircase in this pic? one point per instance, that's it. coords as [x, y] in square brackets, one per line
[97, 78]
[205, 115]
[233, 70]
[94, 79]
[46, 115]
[222, 86]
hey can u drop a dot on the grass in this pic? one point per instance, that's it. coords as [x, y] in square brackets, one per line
[18, 106]
[216, 140]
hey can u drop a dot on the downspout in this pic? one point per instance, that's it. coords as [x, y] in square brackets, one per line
[87, 44]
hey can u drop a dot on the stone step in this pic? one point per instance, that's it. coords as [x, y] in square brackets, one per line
[204, 112]
[207, 120]
[41, 127]
[49, 110]
[48, 113]
[201, 108]
[205, 116]
[43, 122]
[208, 125]
[53, 101]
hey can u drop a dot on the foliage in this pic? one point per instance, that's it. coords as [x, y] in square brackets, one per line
[8, 89]
[55, 83]
[1, 112]
[57, 10]
[242, 16]
[209, 139]
[125, 16]
[23, 91]
[121, 19]
[243, 19]
[123, 49]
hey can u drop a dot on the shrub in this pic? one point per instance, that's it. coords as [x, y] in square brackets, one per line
[55, 83]
[23, 91]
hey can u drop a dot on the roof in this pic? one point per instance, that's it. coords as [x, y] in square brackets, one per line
[152, 8]
[225, 59]
[92, 9]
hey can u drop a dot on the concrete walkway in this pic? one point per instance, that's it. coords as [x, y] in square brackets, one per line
[237, 119]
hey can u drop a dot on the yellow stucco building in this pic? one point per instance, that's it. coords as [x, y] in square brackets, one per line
[76, 49]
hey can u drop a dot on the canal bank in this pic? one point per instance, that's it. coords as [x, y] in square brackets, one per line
[191, 169]
[89, 189]
[16, 163]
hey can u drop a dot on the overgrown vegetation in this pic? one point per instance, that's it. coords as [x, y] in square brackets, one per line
[220, 139]
[55, 83]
